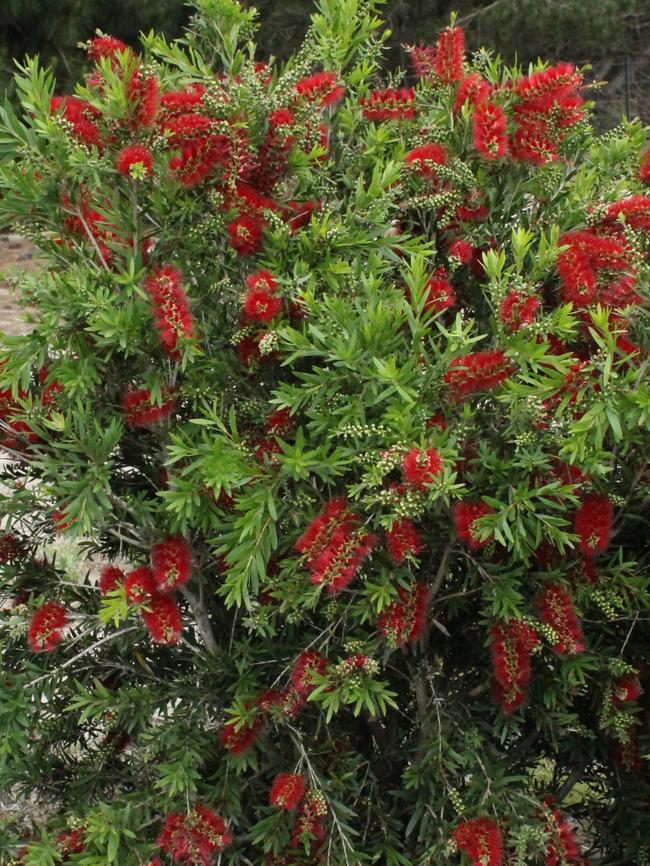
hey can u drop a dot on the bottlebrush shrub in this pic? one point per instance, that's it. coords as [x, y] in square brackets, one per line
[341, 378]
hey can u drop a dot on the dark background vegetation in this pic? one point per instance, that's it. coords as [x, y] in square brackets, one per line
[611, 34]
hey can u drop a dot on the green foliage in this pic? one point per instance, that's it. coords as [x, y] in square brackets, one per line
[140, 427]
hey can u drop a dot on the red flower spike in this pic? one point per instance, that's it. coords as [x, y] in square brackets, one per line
[403, 540]
[184, 101]
[134, 154]
[171, 562]
[390, 104]
[450, 55]
[593, 524]
[287, 791]
[10, 547]
[512, 642]
[105, 46]
[194, 839]
[46, 626]
[424, 159]
[472, 89]
[462, 251]
[261, 304]
[81, 116]
[341, 558]
[421, 467]
[246, 234]
[644, 167]
[239, 741]
[140, 585]
[477, 372]
[72, 842]
[480, 839]
[322, 89]
[305, 668]
[110, 578]
[162, 618]
[404, 620]
[139, 411]
[625, 689]
[439, 293]
[170, 308]
[562, 848]
[555, 608]
[518, 309]
[465, 516]
[489, 130]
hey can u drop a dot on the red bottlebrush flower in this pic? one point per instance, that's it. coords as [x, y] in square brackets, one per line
[403, 540]
[532, 143]
[200, 148]
[140, 585]
[461, 250]
[309, 823]
[625, 689]
[550, 97]
[10, 547]
[183, 101]
[562, 848]
[246, 234]
[139, 411]
[287, 791]
[81, 116]
[589, 258]
[476, 372]
[465, 516]
[110, 578]
[555, 608]
[322, 88]
[423, 59]
[489, 130]
[287, 703]
[644, 167]
[439, 292]
[341, 558]
[472, 89]
[634, 210]
[593, 523]
[627, 756]
[279, 422]
[480, 839]
[261, 304]
[195, 838]
[170, 307]
[61, 520]
[144, 100]
[517, 310]
[281, 117]
[134, 154]
[404, 620]
[298, 213]
[171, 562]
[424, 159]
[239, 741]
[72, 841]
[306, 667]
[248, 351]
[314, 538]
[46, 626]
[390, 104]
[512, 642]
[450, 55]
[421, 467]
[105, 46]
[162, 618]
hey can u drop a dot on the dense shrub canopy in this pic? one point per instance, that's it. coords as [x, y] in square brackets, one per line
[342, 386]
